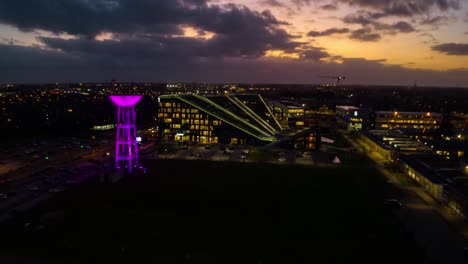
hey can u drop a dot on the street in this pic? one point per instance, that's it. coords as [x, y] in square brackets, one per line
[433, 226]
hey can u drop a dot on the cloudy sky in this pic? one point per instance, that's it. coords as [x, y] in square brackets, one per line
[253, 41]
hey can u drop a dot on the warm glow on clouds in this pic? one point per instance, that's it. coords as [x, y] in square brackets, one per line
[105, 36]
[192, 32]
[407, 50]
[329, 35]
[281, 54]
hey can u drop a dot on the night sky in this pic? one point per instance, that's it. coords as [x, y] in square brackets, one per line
[393, 42]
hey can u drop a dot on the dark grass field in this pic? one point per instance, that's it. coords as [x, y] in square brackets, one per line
[215, 212]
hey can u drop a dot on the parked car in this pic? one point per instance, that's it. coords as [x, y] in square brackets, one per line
[393, 203]
[33, 188]
[55, 190]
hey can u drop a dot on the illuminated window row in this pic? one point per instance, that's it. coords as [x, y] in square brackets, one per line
[408, 121]
[197, 127]
[178, 110]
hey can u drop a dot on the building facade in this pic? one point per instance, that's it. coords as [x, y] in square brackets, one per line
[226, 119]
[322, 117]
[350, 117]
[407, 120]
[289, 114]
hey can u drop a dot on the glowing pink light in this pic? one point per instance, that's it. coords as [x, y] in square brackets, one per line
[125, 100]
[126, 151]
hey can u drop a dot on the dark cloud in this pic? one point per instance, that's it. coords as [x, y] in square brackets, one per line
[404, 7]
[329, 7]
[314, 54]
[369, 20]
[364, 34]
[220, 45]
[328, 32]
[11, 41]
[148, 44]
[32, 64]
[300, 3]
[420, 10]
[398, 27]
[274, 3]
[152, 25]
[435, 21]
[361, 19]
[452, 48]
[89, 18]
[431, 39]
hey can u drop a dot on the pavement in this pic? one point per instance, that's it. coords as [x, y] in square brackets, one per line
[215, 153]
[440, 231]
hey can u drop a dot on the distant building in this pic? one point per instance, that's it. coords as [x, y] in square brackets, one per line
[322, 117]
[441, 178]
[419, 121]
[227, 119]
[392, 143]
[288, 113]
[450, 149]
[459, 121]
[350, 117]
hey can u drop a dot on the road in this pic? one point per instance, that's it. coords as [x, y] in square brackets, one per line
[432, 225]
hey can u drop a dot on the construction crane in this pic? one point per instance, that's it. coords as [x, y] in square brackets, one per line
[337, 78]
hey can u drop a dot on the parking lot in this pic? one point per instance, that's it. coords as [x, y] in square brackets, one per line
[241, 153]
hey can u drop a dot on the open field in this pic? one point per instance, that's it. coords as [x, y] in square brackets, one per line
[217, 212]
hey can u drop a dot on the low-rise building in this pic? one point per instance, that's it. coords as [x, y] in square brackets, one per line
[392, 143]
[288, 113]
[441, 178]
[459, 121]
[350, 117]
[322, 117]
[407, 120]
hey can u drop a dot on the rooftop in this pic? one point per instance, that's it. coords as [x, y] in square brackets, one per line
[347, 107]
[288, 104]
[409, 113]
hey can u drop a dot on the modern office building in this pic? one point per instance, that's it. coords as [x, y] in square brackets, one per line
[459, 121]
[226, 119]
[350, 117]
[392, 143]
[322, 117]
[288, 113]
[420, 121]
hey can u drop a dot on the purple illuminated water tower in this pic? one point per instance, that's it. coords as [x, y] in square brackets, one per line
[126, 151]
